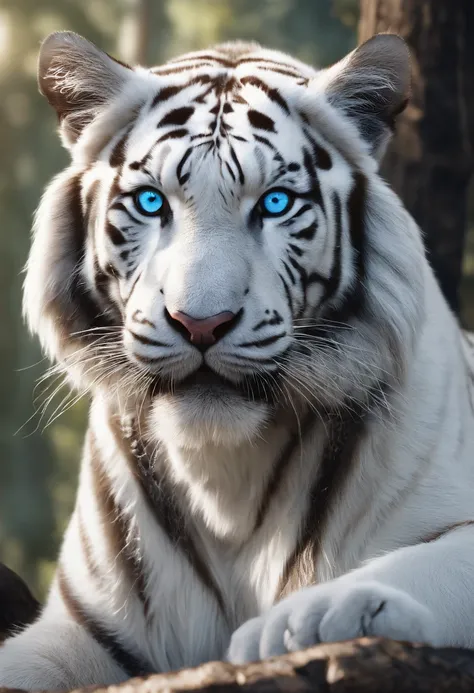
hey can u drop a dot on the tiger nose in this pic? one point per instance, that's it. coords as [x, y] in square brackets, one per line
[202, 331]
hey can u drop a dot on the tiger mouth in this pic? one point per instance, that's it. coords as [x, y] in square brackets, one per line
[207, 377]
[204, 379]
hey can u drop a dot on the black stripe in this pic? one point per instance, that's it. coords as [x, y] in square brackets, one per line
[279, 470]
[308, 163]
[178, 116]
[321, 156]
[294, 248]
[165, 94]
[265, 141]
[101, 280]
[146, 340]
[345, 430]
[131, 665]
[289, 272]
[301, 270]
[264, 342]
[306, 234]
[287, 73]
[115, 526]
[115, 235]
[237, 163]
[353, 302]
[229, 168]
[305, 208]
[335, 273]
[162, 72]
[287, 292]
[117, 157]
[162, 502]
[173, 135]
[273, 94]
[260, 120]
[73, 307]
[275, 65]
[203, 56]
[238, 137]
[182, 179]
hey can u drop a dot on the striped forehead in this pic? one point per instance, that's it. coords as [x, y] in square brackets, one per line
[218, 114]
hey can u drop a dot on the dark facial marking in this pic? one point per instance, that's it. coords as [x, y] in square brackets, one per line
[265, 141]
[117, 157]
[115, 235]
[237, 164]
[173, 135]
[260, 121]
[273, 94]
[306, 234]
[183, 178]
[354, 300]
[320, 155]
[165, 94]
[178, 116]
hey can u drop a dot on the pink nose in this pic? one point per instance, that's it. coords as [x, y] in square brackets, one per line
[201, 330]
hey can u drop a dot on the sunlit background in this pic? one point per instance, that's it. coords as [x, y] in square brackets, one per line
[40, 452]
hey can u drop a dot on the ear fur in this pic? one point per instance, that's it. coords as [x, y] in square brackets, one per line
[371, 86]
[78, 80]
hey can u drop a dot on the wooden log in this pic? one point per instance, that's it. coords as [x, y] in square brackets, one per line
[367, 665]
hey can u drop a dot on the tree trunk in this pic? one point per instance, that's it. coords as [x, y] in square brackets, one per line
[134, 37]
[430, 160]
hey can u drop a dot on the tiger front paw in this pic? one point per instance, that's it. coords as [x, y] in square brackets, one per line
[332, 612]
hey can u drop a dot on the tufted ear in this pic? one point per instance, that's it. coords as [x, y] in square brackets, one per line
[371, 86]
[79, 80]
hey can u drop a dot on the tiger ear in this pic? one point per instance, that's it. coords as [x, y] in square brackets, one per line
[78, 80]
[371, 86]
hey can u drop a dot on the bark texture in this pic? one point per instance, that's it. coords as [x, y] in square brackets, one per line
[430, 161]
[359, 666]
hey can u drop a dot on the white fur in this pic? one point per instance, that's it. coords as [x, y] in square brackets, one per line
[412, 476]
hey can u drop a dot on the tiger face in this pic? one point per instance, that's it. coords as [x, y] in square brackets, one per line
[207, 241]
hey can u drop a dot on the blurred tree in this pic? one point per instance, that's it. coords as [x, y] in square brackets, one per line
[37, 472]
[310, 29]
[430, 161]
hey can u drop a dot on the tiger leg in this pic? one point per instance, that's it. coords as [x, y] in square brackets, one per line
[418, 593]
[55, 654]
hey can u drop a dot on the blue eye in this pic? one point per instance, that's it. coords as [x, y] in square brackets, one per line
[275, 203]
[148, 201]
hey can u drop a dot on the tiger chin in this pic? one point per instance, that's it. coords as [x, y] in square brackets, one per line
[280, 444]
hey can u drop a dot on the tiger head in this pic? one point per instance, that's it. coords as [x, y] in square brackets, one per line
[221, 239]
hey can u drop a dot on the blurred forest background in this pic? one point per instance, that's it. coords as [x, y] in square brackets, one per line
[39, 456]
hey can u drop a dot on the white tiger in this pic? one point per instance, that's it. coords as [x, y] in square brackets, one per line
[281, 439]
